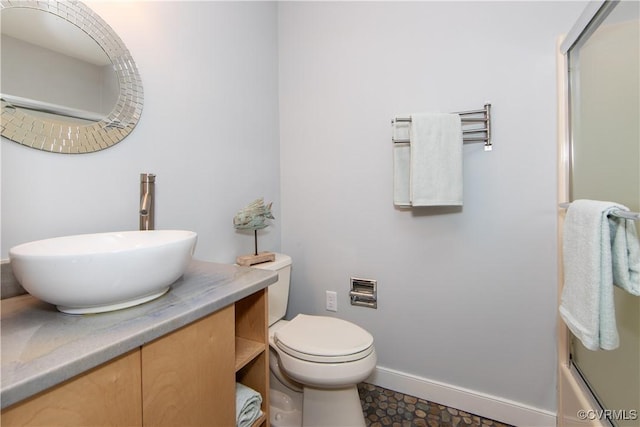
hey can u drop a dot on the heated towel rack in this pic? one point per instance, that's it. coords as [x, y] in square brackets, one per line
[619, 213]
[471, 133]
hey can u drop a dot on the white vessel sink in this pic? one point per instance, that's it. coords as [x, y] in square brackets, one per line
[93, 273]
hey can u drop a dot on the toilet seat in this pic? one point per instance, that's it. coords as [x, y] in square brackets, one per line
[322, 339]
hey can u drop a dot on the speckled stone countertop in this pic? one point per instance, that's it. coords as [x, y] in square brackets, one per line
[42, 347]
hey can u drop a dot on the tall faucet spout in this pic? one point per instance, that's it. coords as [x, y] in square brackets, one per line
[147, 201]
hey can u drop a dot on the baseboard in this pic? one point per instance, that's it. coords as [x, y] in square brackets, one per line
[482, 404]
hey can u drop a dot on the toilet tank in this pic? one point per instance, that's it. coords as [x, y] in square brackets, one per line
[279, 291]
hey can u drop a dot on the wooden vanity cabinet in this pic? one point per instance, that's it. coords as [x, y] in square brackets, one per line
[187, 375]
[108, 395]
[185, 378]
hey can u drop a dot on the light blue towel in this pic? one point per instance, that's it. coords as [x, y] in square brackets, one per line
[626, 254]
[248, 403]
[591, 241]
[436, 159]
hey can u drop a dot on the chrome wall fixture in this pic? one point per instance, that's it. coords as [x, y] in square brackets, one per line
[364, 292]
[470, 134]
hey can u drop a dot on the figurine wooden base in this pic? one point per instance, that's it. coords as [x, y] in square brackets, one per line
[249, 260]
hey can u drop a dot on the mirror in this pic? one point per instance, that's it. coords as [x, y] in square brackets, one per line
[69, 84]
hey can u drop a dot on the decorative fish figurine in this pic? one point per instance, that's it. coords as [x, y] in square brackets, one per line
[254, 216]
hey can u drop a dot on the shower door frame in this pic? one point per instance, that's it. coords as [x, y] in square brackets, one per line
[577, 405]
[574, 395]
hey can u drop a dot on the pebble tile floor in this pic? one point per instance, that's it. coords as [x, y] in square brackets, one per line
[384, 407]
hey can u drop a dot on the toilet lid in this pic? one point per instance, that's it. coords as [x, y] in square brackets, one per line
[323, 339]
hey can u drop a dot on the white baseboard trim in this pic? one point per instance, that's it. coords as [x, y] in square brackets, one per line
[474, 402]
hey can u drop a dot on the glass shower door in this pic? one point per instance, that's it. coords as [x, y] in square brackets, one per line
[604, 76]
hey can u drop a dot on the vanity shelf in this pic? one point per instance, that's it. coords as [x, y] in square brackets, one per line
[246, 351]
[251, 347]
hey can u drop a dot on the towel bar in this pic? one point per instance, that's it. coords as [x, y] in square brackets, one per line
[619, 213]
[486, 119]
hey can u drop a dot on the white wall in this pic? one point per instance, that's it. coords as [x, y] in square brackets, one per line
[209, 130]
[466, 298]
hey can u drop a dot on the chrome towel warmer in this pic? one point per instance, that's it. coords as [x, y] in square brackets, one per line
[469, 134]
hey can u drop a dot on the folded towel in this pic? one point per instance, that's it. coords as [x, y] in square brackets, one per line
[401, 164]
[248, 403]
[587, 305]
[436, 160]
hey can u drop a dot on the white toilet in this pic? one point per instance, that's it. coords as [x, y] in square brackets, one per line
[316, 362]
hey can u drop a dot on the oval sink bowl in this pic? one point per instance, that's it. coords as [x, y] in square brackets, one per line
[94, 273]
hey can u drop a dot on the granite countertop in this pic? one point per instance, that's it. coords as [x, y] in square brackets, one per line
[42, 347]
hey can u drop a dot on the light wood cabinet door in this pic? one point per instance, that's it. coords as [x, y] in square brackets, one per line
[188, 376]
[108, 395]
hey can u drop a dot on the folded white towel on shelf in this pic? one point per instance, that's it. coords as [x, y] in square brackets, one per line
[401, 164]
[436, 159]
[587, 305]
[248, 402]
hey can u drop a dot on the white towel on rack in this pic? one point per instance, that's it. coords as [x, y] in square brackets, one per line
[436, 160]
[587, 305]
[401, 164]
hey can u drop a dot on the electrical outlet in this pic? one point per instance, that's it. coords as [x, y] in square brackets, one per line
[332, 301]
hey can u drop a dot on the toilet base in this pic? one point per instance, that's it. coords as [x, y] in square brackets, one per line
[334, 407]
[285, 403]
[284, 410]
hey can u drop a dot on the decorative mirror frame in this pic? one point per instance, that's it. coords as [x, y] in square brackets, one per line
[53, 136]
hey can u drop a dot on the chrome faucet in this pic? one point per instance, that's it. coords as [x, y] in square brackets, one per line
[147, 201]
